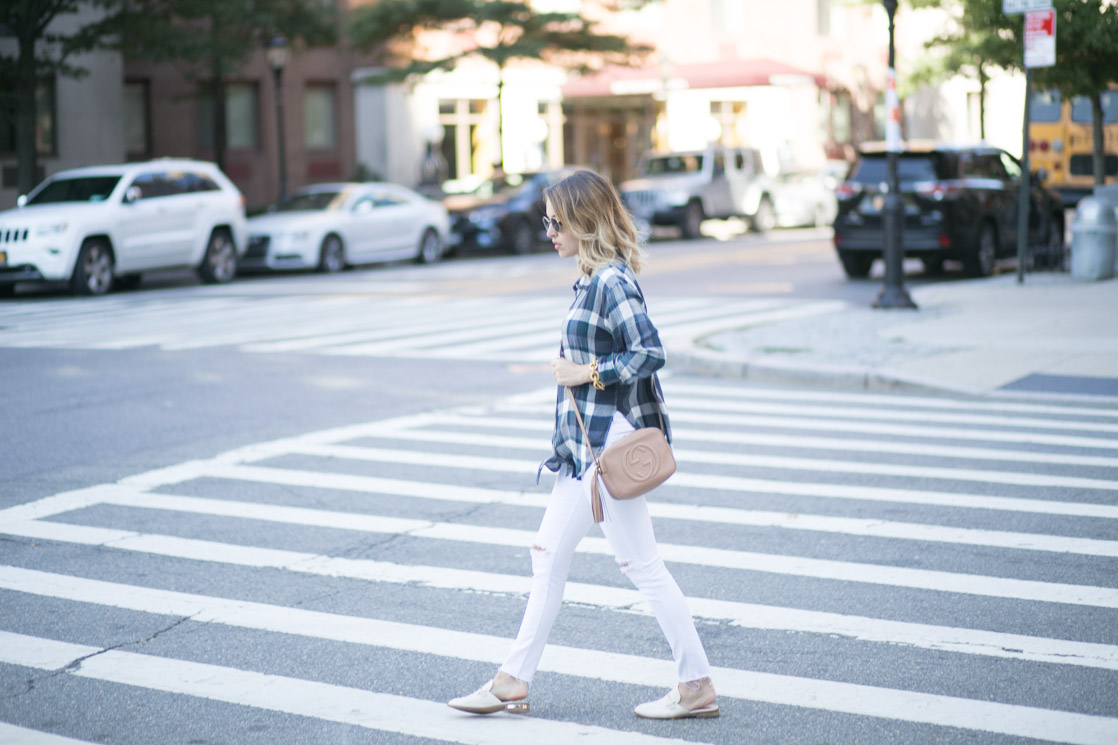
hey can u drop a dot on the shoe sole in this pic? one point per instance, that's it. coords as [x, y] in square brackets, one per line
[512, 707]
[706, 713]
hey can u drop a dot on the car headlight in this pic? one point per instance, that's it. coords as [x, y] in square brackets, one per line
[52, 228]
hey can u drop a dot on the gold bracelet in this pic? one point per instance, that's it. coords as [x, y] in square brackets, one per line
[597, 381]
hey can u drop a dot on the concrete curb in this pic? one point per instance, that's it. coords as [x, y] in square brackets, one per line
[701, 361]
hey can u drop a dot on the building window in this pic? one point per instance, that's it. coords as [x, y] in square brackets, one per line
[137, 119]
[466, 131]
[45, 116]
[241, 125]
[732, 121]
[320, 130]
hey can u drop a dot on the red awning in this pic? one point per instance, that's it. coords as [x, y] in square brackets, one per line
[620, 81]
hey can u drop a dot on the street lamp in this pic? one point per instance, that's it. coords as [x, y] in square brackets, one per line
[278, 54]
[893, 293]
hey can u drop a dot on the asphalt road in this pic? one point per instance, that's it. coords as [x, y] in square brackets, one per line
[296, 509]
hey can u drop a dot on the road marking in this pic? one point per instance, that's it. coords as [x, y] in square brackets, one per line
[334, 703]
[904, 471]
[435, 720]
[790, 419]
[13, 735]
[681, 435]
[842, 571]
[896, 400]
[742, 615]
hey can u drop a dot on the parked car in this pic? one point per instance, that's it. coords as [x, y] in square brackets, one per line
[505, 212]
[684, 188]
[331, 226]
[960, 203]
[102, 227]
[803, 198]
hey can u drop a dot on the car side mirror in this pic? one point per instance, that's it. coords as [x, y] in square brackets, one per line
[1041, 175]
[21, 200]
[133, 194]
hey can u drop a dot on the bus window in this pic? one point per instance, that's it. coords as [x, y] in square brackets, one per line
[1045, 106]
[1081, 108]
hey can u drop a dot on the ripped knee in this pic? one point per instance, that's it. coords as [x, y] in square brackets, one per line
[643, 568]
[541, 558]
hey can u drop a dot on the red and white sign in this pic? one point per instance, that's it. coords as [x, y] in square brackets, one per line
[1040, 38]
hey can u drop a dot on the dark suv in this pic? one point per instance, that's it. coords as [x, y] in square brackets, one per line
[959, 203]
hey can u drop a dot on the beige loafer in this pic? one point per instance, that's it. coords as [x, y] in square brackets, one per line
[669, 707]
[483, 701]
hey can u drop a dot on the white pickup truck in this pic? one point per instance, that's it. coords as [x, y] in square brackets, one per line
[685, 188]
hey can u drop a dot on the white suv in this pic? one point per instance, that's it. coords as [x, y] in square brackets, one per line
[104, 226]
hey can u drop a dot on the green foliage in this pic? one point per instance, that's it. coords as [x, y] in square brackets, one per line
[516, 31]
[39, 54]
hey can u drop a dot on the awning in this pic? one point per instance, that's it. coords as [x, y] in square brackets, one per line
[649, 79]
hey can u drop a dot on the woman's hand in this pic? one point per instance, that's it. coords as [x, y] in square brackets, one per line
[568, 373]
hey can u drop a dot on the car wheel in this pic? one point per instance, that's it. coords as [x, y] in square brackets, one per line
[219, 265]
[932, 264]
[764, 219]
[692, 221]
[856, 265]
[522, 237]
[127, 282]
[430, 247]
[93, 271]
[331, 255]
[981, 259]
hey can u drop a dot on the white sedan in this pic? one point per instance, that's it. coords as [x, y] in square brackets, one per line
[332, 226]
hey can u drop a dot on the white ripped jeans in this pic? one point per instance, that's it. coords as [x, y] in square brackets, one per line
[628, 528]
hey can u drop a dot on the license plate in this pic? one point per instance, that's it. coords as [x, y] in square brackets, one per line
[872, 204]
[3, 258]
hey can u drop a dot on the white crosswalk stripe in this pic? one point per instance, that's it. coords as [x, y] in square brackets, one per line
[423, 465]
[425, 326]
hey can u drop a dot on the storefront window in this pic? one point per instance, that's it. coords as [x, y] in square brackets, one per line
[241, 122]
[137, 119]
[320, 131]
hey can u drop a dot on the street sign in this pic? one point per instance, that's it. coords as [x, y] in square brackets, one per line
[1040, 38]
[1016, 7]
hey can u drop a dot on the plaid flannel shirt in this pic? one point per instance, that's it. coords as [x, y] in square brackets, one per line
[608, 321]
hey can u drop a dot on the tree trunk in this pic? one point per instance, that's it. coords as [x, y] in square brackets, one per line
[500, 163]
[1097, 136]
[27, 79]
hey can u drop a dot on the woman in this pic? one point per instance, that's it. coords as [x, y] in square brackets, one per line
[608, 355]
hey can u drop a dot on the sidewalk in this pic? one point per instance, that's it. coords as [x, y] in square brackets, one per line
[1051, 336]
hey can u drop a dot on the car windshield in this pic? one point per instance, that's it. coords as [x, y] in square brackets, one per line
[1081, 108]
[911, 167]
[313, 201]
[1044, 107]
[508, 185]
[673, 164]
[85, 189]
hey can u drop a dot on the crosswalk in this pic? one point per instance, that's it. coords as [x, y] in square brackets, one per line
[422, 325]
[891, 567]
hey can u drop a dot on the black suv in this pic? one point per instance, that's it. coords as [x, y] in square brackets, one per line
[504, 212]
[959, 203]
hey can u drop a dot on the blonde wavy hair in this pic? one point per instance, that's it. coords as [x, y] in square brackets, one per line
[588, 206]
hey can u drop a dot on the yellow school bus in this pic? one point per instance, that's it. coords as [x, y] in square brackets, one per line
[1061, 141]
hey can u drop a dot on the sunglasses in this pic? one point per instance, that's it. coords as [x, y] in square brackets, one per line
[551, 222]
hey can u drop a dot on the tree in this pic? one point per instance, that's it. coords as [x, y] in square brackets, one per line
[211, 39]
[974, 43]
[501, 31]
[40, 53]
[1086, 50]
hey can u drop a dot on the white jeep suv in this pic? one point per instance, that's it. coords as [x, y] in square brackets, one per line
[103, 226]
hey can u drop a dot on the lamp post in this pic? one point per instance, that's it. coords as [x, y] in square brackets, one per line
[278, 55]
[893, 293]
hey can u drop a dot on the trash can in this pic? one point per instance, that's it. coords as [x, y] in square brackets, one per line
[1094, 240]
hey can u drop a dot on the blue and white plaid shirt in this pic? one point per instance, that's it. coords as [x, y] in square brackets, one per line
[608, 321]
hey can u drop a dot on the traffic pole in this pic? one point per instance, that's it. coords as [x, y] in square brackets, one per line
[1026, 178]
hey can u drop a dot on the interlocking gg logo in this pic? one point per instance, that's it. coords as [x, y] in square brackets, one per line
[640, 463]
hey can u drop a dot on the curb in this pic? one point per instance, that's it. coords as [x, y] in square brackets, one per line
[704, 362]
